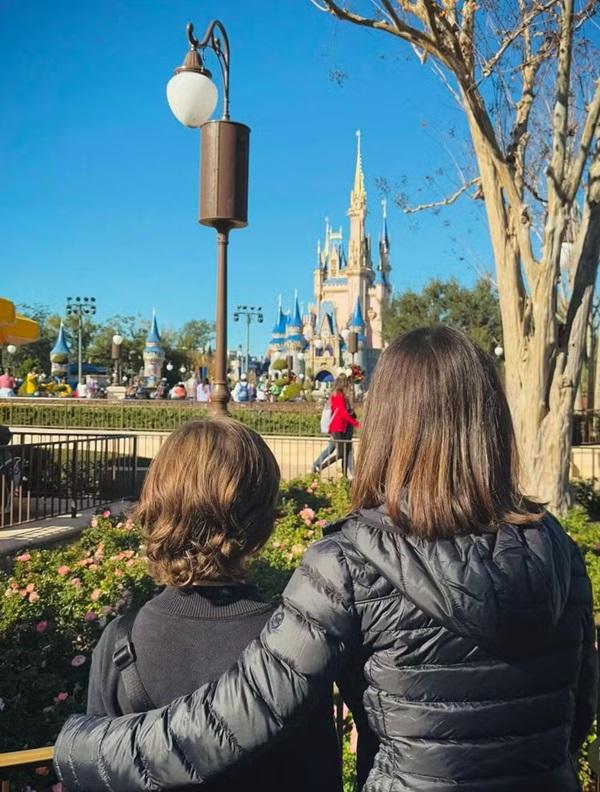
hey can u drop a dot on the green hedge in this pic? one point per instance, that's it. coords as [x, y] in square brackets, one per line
[132, 415]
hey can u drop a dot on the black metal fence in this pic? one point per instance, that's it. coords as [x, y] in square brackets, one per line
[61, 474]
[586, 427]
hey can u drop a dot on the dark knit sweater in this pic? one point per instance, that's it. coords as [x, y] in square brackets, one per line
[184, 638]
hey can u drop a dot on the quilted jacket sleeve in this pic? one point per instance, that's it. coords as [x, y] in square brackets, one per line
[277, 677]
[586, 696]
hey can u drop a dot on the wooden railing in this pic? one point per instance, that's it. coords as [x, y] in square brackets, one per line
[32, 756]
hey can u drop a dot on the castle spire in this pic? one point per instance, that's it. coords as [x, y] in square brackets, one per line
[153, 336]
[358, 190]
[357, 322]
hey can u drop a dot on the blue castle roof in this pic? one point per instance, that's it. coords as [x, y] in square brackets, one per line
[357, 320]
[60, 347]
[153, 338]
[295, 321]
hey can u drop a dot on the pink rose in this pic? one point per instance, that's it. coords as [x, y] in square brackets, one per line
[24, 557]
[118, 573]
[41, 627]
[106, 513]
[75, 582]
[89, 616]
[60, 697]
[34, 597]
[95, 595]
[321, 523]
[130, 562]
[63, 570]
[94, 523]
[77, 661]
[29, 588]
[93, 567]
[23, 593]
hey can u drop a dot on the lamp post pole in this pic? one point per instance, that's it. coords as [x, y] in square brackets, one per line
[224, 154]
[249, 312]
[117, 340]
[80, 307]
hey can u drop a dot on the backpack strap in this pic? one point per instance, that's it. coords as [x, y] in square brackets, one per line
[124, 661]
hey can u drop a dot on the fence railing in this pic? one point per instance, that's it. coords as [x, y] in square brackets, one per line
[586, 427]
[42, 478]
[293, 418]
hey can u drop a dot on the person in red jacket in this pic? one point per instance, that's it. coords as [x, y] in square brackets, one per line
[341, 428]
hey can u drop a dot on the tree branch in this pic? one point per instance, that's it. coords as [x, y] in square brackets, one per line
[399, 28]
[590, 128]
[489, 65]
[445, 201]
[587, 245]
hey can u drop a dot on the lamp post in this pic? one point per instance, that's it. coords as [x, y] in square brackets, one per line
[117, 340]
[192, 97]
[250, 313]
[80, 307]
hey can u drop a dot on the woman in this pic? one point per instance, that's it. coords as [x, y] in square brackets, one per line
[203, 391]
[7, 385]
[207, 506]
[455, 612]
[341, 428]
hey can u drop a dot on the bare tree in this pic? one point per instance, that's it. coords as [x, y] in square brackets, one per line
[523, 73]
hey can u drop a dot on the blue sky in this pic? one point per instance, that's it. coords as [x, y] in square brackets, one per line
[99, 183]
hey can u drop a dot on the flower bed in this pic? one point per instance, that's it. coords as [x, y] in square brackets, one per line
[55, 603]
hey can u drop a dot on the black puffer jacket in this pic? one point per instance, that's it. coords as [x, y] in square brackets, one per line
[472, 660]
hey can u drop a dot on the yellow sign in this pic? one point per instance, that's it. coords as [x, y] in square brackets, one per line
[16, 329]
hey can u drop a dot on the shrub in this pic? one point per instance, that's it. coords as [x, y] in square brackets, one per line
[54, 604]
[296, 419]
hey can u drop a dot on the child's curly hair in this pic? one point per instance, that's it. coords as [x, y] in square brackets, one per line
[208, 503]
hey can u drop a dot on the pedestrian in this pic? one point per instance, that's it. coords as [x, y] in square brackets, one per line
[241, 392]
[454, 610]
[7, 385]
[178, 392]
[341, 424]
[208, 504]
[203, 391]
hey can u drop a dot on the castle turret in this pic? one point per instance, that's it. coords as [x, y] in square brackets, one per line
[295, 342]
[154, 355]
[59, 355]
[278, 334]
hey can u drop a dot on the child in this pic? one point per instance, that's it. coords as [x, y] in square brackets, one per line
[207, 506]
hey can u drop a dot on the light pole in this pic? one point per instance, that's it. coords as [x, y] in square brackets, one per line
[10, 351]
[250, 313]
[80, 307]
[117, 340]
[192, 97]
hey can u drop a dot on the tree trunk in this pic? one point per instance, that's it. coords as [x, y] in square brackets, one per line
[542, 370]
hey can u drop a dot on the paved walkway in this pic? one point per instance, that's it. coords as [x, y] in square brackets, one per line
[51, 530]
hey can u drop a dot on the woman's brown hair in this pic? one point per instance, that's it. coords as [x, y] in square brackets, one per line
[208, 502]
[438, 446]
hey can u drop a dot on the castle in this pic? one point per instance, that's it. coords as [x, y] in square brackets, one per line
[349, 295]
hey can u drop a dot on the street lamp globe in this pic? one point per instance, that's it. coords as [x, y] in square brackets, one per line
[11, 349]
[169, 367]
[498, 351]
[117, 339]
[182, 369]
[192, 97]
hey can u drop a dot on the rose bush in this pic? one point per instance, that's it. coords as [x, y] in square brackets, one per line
[54, 604]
